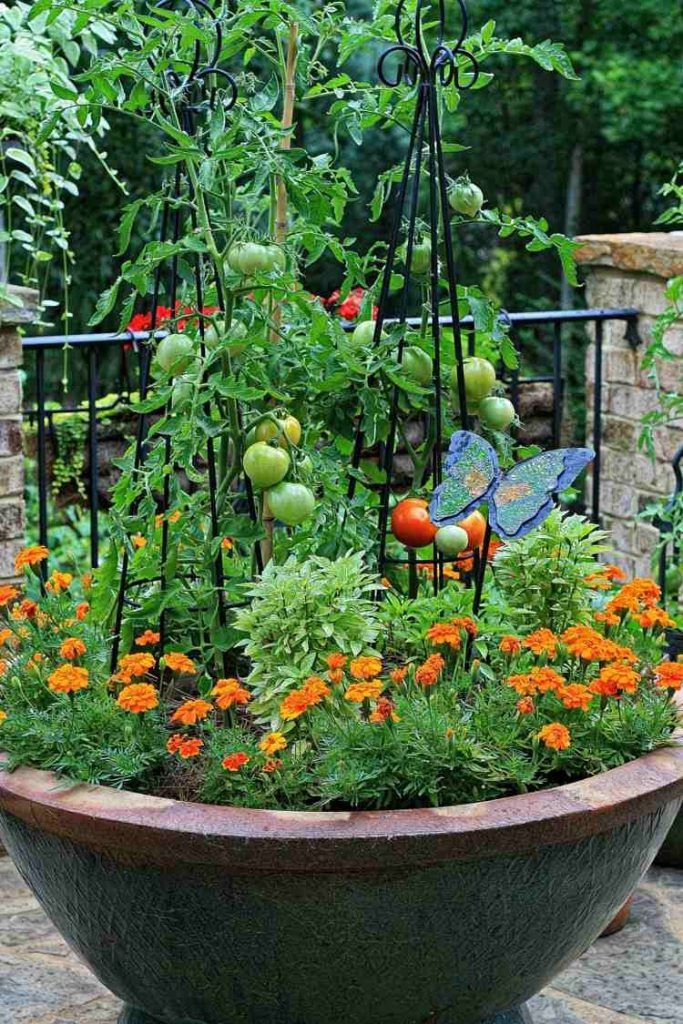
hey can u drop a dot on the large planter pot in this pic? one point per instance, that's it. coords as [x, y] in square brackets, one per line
[194, 914]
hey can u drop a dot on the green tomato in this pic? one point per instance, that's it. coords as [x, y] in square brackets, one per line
[496, 413]
[175, 353]
[238, 331]
[363, 334]
[275, 258]
[291, 503]
[265, 466]
[417, 364]
[465, 197]
[480, 376]
[248, 258]
[451, 540]
[422, 258]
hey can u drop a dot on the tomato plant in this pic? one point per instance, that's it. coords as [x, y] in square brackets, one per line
[496, 412]
[417, 364]
[480, 376]
[410, 523]
[465, 197]
[175, 353]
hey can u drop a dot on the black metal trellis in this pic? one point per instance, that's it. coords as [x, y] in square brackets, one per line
[194, 93]
[428, 72]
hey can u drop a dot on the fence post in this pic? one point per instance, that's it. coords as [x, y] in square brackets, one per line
[630, 270]
[12, 512]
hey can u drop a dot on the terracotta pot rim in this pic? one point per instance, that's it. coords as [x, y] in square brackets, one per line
[166, 830]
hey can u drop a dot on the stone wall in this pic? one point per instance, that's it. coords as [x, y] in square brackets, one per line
[631, 270]
[12, 517]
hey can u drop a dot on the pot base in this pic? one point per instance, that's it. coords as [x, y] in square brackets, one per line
[521, 1016]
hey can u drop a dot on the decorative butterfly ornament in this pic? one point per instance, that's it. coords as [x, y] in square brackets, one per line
[518, 500]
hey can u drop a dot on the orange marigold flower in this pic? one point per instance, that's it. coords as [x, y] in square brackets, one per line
[653, 618]
[68, 679]
[575, 696]
[397, 675]
[272, 764]
[133, 666]
[174, 742]
[190, 747]
[368, 690]
[542, 641]
[174, 516]
[384, 710]
[72, 648]
[546, 679]
[3, 716]
[614, 679]
[27, 609]
[147, 639]
[523, 684]
[466, 623]
[233, 762]
[138, 698]
[82, 610]
[609, 618]
[586, 643]
[180, 663]
[86, 580]
[510, 644]
[227, 544]
[429, 672]
[525, 706]
[273, 743]
[5, 635]
[335, 675]
[59, 581]
[228, 692]
[7, 593]
[669, 675]
[3, 666]
[138, 540]
[555, 736]
[365, 667]
[191, 712]
[294, 705]
[336, 661]
[315, 689]
[445, 634]
[28, 557]
[633, 597]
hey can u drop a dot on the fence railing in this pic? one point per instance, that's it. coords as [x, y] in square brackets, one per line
[90, 352]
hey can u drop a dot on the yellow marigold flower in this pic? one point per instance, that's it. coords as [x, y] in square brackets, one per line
[72, 648]
[68, 679]
[138, 698]
[175, 661]
[510, 644]
[575, 696]
[30, 557]
[365, 667]
[191, 712]
[7, 593]
[555, 736]
[370, 689]
[542, 641]
[273, 743]
[228, 692]
[59, 581]
[147, 639]
[133, 666]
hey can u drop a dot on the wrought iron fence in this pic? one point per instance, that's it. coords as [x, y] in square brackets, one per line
[89, 353]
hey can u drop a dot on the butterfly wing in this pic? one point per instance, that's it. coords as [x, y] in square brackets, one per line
[523, 498]
[471, 471]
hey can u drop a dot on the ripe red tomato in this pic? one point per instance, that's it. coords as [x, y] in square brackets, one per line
[410, 523]
[474, 526]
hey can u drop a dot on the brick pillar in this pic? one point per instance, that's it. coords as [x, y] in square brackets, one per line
[631, 270]
[12, 517]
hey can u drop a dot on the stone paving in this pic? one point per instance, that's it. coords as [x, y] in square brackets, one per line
[634, 977]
